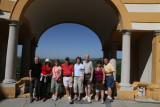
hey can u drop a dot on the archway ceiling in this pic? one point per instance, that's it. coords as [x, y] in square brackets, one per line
[96, 14]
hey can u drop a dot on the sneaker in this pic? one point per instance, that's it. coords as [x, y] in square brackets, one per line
[44, 99]
[85, 98]
[109, 97]
[53, 97]
[102, 101]
[69, 99]
[96, 98]
[31, 100]
[75, 98]
[89, 99]
[79, 98]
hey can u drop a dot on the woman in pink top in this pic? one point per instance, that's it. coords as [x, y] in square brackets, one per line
[56, 79]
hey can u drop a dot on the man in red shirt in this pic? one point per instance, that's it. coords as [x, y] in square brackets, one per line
[67, 69]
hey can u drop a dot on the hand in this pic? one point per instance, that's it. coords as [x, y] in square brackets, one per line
[103, 82]
[90, 79]
[30, 79]
[81, 78]
[72, 79]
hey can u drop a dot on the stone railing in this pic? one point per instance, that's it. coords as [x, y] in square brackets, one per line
[22, 87]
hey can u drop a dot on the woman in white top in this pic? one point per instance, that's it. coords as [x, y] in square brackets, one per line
[78, 78]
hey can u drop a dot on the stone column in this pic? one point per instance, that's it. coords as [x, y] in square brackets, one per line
[10, 70]
[125, 70]
[26, 54]
[156, 58]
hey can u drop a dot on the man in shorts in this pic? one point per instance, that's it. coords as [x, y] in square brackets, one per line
[67, 69]
[88, 77]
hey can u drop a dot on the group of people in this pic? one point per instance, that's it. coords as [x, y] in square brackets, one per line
[78, 79]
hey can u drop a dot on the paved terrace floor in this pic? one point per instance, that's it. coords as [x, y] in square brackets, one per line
[24, 102]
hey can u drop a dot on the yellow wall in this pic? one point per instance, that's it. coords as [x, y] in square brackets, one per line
[7, 5]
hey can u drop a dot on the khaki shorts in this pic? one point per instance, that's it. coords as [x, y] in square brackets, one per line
[67, 81]
[78, 84]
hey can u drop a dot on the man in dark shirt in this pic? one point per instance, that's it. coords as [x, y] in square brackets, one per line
[34, 77]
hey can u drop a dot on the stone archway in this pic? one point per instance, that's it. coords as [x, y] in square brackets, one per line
[21, 6]
[101, 16]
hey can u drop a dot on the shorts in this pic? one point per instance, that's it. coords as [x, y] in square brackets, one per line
[99, 85]
[67, 81]
[55, 86]
[78, 84]
[87, 79]
[109, 83]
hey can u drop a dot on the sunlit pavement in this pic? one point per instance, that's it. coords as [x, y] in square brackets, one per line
[24, 102]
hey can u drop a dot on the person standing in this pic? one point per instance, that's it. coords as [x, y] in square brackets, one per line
[45, 79]
[56, 79]
[109, 83]
[99, 81]
[67, 69]
[34, 76]
[88, 77]
[78, 78]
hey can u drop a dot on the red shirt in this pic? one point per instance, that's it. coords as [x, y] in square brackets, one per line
[46, 70]
[67, 69]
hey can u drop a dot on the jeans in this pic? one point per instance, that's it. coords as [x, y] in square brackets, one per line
[34, 87]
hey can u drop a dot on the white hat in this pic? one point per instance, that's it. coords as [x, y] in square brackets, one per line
[47, 60]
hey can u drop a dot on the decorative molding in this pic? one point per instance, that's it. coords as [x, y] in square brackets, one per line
[141, 1]
[143, 7]
[146, 26]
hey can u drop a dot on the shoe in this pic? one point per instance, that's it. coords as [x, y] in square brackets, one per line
[96, 98]
[109, 98]
[53, 97]
[79, 98]
[85, 98]
[31, 100]
[75, 98]
[44, 99]
[89, 99]
[36, 99]
[69, 99]
[102, 101]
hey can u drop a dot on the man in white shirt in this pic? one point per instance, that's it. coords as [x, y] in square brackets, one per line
[88, 77]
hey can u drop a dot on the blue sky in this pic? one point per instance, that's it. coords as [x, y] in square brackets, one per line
[69, 40]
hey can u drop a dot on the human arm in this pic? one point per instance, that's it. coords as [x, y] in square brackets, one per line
[72, 69]
[59, 73]
[103, 70]
[30, 73]
[92, 72]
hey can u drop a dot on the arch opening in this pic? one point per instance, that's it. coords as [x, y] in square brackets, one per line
[69, 39]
